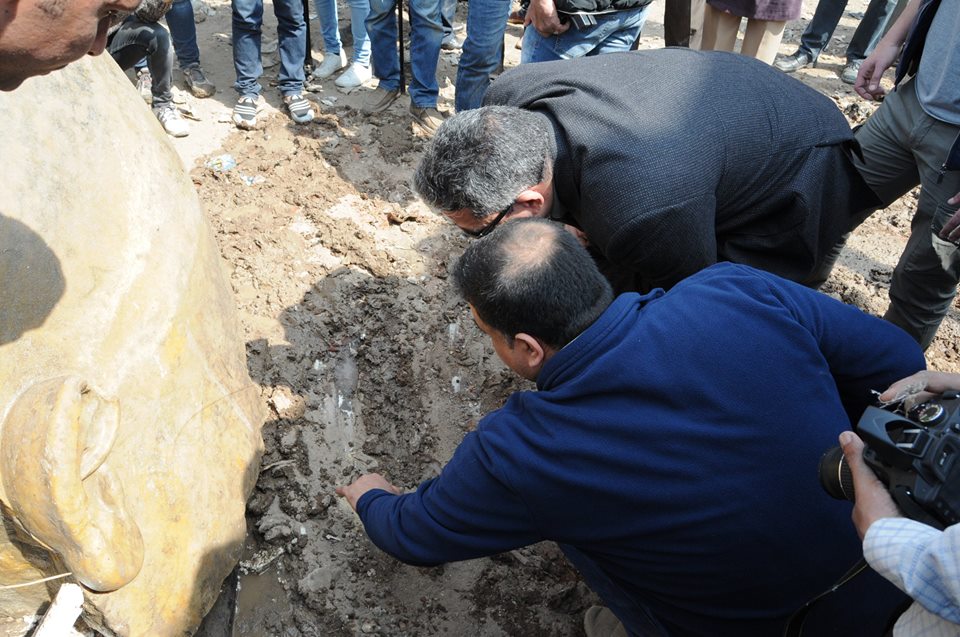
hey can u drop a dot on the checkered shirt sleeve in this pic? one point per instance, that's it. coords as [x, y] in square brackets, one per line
[925, 564]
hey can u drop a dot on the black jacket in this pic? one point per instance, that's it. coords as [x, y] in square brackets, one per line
[671, 160]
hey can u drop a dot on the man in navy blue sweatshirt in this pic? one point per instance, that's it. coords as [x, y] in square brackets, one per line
[671, 448]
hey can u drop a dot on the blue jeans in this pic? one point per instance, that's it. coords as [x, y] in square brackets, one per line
[183, 31]
[425, 37]
[327, 12]
[486, 22]
[134, 40]
[292, 33]
[827, 17]
[612, 32]
[635, 617]
[448, 11]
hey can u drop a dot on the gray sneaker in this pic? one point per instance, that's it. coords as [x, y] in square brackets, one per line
[197, 82]
[428, 117]
[378, 101]
[850, 72]
[145, 85]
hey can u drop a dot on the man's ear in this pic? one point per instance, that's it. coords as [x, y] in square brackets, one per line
[530, 349]
[530, 203]
[54, 447]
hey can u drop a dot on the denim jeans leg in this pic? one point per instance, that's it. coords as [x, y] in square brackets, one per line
[870, 29]
[382, 29]
[329, 28]
[359, 9]
[822, 25]
[134, 40]
[426, 34]
[183, 31]
[636, 618]
[448, 11]
[247, 22]
[486, 23]
[292, 33]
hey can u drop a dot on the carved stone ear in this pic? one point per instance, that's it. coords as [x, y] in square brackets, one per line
[55, 442]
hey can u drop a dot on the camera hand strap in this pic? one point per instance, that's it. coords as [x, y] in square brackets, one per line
[794, 627]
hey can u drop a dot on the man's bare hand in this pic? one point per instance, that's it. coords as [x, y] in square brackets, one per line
[873, 500]
[921, 387]
[366, 482]
[951, 228]
[544, 17]
[868, 79]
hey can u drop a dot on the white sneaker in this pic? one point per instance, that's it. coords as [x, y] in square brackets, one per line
[330, 65]
[354, 76]
[172, 122]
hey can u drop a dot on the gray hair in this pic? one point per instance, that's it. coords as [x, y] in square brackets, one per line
[483, 158]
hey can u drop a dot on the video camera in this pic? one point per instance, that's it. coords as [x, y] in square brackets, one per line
[914, 452]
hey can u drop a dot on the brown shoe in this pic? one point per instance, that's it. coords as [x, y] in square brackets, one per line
[429, 118]
[378, 101]
[599, 621]
[515, 17]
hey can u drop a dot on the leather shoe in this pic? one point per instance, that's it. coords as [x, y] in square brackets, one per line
[794, 62]
[599, 621]
[850, 72]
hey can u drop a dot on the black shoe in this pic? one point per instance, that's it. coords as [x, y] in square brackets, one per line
[794, 62]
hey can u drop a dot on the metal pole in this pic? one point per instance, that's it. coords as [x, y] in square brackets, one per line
[308, 55]
[403, 83]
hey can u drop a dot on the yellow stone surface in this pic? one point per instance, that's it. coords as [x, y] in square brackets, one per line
[129, 427]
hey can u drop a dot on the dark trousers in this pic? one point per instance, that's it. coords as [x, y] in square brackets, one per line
[135, 40]
[869, 31]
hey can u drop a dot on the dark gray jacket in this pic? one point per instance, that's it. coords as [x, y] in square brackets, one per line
[671, 160]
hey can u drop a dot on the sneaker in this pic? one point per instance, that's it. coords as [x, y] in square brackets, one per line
[301, 110]
[197, 82]
[172, 122]
[245, 112]
[354, 76]
[145, 85]
[516, 17]
[330, 65]
[599, 621]
[451, 43]
[850, 72]
[794, 62]
[378, 101]
[429, 118]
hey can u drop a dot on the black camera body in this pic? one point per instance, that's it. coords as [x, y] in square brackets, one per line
[915, 453]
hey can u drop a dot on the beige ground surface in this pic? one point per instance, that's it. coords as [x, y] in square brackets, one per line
[367, 360]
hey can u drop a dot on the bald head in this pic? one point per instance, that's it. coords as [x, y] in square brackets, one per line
[531, 276]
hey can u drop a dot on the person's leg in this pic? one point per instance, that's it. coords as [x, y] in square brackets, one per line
[448, 11]
[622, 31]
[247, 22]
[762, 39]
[871, 29]
[292, 34]
[824, 22]
[359, 9]
[676, 22]
[719, 29]
[426, 33]
[183, 32]
[382, 29]
[136, 39]
[329, 29]
[902, 146]
[486, 23]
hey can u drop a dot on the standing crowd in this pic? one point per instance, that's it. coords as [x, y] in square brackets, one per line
[651, 230]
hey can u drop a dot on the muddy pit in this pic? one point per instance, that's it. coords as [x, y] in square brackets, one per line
[366, 359]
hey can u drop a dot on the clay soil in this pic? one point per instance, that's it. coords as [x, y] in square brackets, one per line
[367, 360]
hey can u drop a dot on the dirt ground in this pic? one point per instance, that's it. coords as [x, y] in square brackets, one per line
[367, 360]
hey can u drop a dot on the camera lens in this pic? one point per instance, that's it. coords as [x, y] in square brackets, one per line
[835, 476]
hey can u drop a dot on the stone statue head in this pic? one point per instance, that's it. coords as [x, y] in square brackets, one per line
[129, 428]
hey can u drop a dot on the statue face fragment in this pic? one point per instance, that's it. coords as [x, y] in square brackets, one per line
[129, 428]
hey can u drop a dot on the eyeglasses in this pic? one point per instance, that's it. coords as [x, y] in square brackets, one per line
[487, 229]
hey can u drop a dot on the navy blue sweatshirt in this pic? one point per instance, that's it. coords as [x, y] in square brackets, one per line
[675, 442]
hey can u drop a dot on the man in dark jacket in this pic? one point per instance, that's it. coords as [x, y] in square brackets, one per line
[667, 161]
[671, 447]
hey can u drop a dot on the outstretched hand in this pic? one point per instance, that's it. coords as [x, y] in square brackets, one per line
[367, 482]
